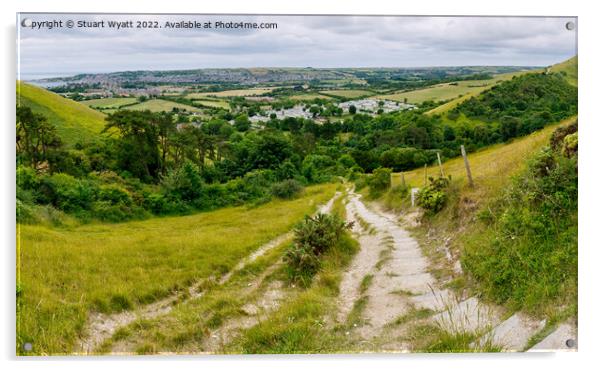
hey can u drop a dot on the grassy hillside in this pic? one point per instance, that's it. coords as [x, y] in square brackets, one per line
[159, 105]
[75, 122]
[443, 91]
[491, 167]
[63, 273]
[110, 102]
[569, 68]
[457, 232]
[467, 92]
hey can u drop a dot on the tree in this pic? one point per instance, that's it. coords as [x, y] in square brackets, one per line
[138, 150]
[242, 123]
[166, 127]
[352, 109]
[37, 139]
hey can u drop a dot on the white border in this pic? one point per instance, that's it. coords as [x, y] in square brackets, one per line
[590, 255]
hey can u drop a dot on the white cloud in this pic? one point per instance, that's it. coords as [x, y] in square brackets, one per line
[316, 41]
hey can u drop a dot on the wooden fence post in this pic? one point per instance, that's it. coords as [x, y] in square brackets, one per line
[440, 166]
[403, 180]
[468, 173]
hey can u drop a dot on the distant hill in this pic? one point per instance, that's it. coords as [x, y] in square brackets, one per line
[128, 79]
[74, 122]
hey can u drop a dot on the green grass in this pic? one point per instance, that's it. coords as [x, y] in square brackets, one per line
[308, 96]
[349, 94]
[213, 103]
[441, 341]
[295, 325]
[232, 93]
[74, 122]
[491, 167]
[65, 272]
[492, 171]
[109, 102]
[570, 68]
[299, 325]
[467, 92]
[523, 250]
[159, 105]
[444, 91]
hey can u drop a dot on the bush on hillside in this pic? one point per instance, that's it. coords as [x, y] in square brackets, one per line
[380, 180]
[313, 237]
[433, 197]
[287, 189]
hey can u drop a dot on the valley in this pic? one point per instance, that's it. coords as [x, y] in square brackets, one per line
[298, 210]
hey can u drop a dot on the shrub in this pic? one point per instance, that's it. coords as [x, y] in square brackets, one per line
[183, 183]
[27, 178]
[380, 180]
[314, 236]
[114, 194]
[432, 198]
[570, 145]
[67, 193]
[287, 189]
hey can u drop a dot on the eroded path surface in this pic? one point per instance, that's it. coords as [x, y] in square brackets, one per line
[389, 285]
[101, 327]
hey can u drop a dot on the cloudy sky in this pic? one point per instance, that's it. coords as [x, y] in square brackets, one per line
[298, 41]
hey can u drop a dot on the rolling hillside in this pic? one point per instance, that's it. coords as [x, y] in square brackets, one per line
[75, 122]
[491, 167]
[569, 67]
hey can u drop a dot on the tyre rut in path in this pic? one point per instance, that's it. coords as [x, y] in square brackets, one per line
[101, 327]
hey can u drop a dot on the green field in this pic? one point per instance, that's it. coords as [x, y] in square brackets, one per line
[446, 91]
[348, 94]
[110, 102]
[158, 105]
[185, 328]
[65, 272]
[213, 103]
[309, 96]
[232, 93]
[467, 92]
[74, 122]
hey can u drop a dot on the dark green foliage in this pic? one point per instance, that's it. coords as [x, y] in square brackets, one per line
[313, 237]
[380, 180]
[530, 257]
[433, 197]
[287, 189]
[524, 104]
[183, 183]
[164, 165]
[37, 140]
[138, 150]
